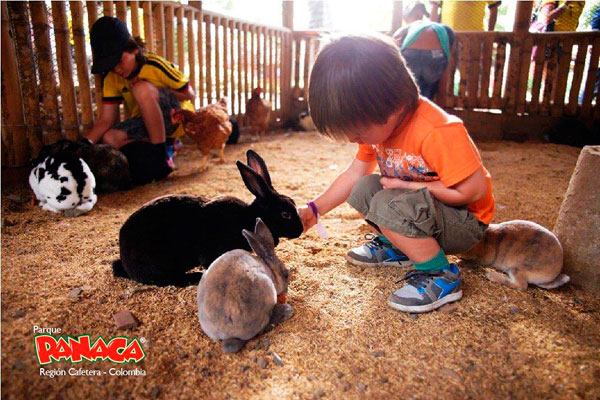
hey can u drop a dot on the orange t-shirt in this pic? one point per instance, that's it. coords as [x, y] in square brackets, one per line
[432, 145]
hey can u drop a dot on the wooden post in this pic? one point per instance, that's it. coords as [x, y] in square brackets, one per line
[225, 24]
[148, 29]
[170, 34]
[582, 49]
[191, 49]
[135, 18]
[588, 94]
[538, 73]
[12, 104]
[524, 74]
[19, 16]
[201, 47]
[92, 12]
[41, 36]
[253, 58]
[496, 101]
[158, 12]
[121, 10]
[240, 67]
[564, 57]
[85, 94]
[247, 65]
[264, 74]
[217, 22]
[209, 62]
[397, 16]
[180, 39]
[286, 61]
[578, 220]
[486, 65]
[232, 65]
[108, 8]
[65, 71]
[517, 56]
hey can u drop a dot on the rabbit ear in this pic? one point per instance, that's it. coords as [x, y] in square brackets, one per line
[254, 182]
[262, 248]
[257, 164]
[264, 234]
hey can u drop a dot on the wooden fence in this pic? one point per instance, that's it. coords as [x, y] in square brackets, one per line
[534, 78]
[493, 82]
[51, 95]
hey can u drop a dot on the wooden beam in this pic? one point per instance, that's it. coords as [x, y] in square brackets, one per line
[50, 118]
[15, 135]
[85, 94]
[19, 15]
[65, 71]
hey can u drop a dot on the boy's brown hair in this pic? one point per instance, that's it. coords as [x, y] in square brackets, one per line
[358, 81]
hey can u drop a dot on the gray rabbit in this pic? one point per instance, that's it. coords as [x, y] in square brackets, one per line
[237, 296]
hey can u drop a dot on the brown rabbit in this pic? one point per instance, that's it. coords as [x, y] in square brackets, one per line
[237, 296]
[525, 251]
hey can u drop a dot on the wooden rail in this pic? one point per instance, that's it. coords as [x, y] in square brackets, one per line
[512, 74]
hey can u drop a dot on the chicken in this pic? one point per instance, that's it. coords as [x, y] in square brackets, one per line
[209, 127]
[258, 112]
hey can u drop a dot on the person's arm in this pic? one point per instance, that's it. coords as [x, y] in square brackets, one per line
[108, 116]
[549, 12]
[400, 35]
[337, 192]
[493, 15]
[185, 94]
[465, 192]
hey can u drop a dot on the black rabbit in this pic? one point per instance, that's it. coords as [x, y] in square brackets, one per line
[170, 235]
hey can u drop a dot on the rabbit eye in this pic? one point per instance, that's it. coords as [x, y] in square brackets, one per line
[286, 215]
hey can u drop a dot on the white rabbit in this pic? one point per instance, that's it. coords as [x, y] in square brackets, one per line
[64, 182]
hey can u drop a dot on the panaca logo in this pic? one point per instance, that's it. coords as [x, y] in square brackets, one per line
[119, 349]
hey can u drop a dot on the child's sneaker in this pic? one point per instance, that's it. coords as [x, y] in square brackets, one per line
[377, 253]
[427, 290]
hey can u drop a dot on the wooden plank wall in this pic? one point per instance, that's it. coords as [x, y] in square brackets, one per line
[222, 56]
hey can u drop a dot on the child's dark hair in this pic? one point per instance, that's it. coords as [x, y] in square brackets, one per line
[136, 43]
[358, 81]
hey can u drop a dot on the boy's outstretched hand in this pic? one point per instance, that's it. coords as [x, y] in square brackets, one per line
[307, 216]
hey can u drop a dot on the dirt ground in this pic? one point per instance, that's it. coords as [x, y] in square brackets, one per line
[343, 341]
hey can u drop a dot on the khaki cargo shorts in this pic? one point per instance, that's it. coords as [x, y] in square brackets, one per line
[416, 214]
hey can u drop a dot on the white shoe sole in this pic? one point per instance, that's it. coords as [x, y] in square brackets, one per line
[427, 307]
[357, 263]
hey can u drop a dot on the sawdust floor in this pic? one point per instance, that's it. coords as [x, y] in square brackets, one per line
[343, 341]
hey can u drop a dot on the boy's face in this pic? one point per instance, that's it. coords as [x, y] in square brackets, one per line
[127, 65]
[375, 134]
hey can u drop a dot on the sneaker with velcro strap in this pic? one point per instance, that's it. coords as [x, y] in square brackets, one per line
[377, 252]
[426, 291]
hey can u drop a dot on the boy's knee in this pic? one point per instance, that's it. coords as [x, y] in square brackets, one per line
[144, 91]
[367, 185]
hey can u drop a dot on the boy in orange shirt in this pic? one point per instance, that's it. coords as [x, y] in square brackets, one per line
[433, 195]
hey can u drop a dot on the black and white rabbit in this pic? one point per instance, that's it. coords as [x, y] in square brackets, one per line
[64, 182]
[237, 296]
[170, 235]
[109, 165]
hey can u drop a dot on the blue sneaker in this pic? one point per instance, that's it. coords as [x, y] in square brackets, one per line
[377, 253]
[426, 291]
